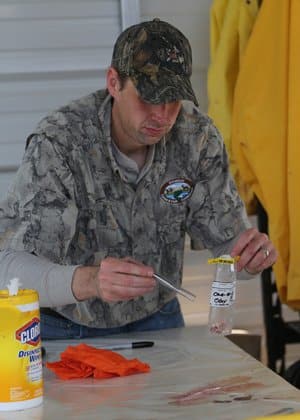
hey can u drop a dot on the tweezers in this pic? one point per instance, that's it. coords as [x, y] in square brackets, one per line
[179, 290]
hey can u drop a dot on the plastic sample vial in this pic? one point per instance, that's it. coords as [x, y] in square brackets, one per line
[222, 297]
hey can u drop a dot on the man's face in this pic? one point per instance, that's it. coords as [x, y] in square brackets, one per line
[137, 123]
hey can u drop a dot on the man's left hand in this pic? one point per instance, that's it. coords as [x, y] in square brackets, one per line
[256, 251]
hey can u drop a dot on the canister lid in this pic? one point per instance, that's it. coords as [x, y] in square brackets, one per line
[24, 296]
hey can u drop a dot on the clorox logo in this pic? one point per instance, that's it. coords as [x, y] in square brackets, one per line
[29, 333]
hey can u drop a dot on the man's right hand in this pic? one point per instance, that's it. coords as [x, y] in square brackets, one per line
[116, 279]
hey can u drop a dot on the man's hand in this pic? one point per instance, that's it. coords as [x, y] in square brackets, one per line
[256, 251]
[116, 279]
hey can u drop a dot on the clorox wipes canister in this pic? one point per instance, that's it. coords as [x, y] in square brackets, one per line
[20, 349]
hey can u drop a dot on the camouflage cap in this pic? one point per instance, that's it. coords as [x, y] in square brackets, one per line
[158, 59]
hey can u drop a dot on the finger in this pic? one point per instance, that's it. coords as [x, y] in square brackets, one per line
[132, 261]
[130, 281]
[250, 245]
[264, 258]
[124, 288]
[243, 240]
[125, 266]
[255, 251]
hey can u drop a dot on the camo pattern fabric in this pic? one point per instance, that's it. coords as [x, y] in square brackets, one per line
[71, 204]
[158, 59]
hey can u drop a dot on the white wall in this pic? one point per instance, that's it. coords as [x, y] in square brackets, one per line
[51, 51]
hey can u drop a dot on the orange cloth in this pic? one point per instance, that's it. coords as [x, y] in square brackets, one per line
[82, 361]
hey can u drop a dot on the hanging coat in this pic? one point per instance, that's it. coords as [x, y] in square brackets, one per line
[231, 23]
[266, 132]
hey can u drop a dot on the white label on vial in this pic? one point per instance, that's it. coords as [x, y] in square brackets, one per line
[222, 294]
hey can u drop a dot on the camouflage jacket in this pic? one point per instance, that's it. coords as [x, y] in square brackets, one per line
[71, 203]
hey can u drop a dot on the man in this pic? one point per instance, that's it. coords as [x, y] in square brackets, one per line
[107, 189]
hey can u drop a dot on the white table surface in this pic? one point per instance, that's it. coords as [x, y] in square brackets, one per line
[182, 360]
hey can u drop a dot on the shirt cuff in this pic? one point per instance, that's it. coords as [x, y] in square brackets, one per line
[58, 285]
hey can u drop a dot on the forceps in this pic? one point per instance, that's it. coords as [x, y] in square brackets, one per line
[181, 291]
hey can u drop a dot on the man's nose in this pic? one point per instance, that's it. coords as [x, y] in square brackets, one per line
[160, 112]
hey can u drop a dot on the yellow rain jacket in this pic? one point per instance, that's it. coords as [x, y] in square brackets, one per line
[266, 132]
[231, 22]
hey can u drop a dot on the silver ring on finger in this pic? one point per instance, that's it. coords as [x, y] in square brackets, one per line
[265, 251]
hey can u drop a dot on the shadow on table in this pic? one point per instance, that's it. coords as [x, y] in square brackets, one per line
[251, 343]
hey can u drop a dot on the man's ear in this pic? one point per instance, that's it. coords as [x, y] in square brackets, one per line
[112, 81]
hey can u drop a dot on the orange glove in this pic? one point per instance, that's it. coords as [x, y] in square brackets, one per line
[82, 361]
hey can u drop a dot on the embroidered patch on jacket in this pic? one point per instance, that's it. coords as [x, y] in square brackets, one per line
[176, 190]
